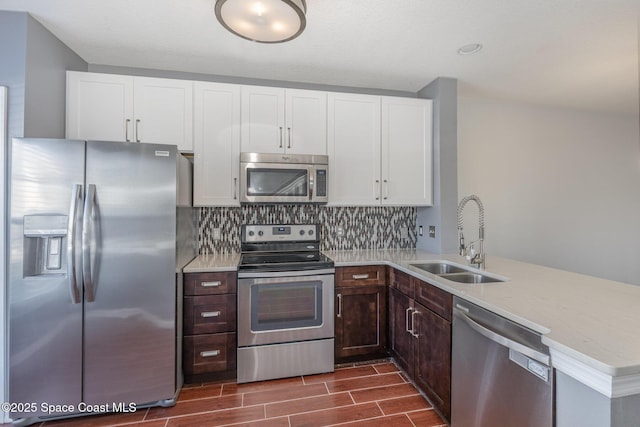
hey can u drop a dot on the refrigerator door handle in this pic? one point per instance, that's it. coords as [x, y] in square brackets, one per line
[76, 194]
[88, 225]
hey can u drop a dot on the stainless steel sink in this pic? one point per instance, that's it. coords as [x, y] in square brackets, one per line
[440, 268]
[456, 273]
[469, 277]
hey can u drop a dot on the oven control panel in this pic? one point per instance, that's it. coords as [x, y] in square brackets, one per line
[280, 233]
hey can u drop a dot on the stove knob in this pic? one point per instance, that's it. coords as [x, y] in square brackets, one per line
[302, 232]
[311, 232]
[251, 233]
[260, 233]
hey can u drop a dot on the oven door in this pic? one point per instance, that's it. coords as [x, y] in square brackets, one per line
[285, 308]
[275, 183]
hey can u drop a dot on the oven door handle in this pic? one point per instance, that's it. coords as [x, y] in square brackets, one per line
[281, 274]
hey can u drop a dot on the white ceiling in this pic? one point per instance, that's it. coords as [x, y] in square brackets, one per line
[570, 53]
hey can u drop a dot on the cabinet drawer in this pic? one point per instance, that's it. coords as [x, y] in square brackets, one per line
[361, 275]
[210, 283]
[402, 281]
[209, 353]
[435, 299]
[209, 314]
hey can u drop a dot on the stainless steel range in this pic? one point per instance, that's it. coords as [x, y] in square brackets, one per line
[285, 303]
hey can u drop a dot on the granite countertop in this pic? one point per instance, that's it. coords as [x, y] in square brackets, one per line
[213, 262]
[590, 325]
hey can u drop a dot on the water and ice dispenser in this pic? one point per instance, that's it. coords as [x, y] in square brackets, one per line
[45, 237]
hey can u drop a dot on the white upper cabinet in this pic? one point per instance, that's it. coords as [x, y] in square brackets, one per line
[354, 149]
[380, 150]
[276, 120]
[163, 111]
[216, 149]
[99, 106]
[112, 107]
[407, 151]
[306, 121]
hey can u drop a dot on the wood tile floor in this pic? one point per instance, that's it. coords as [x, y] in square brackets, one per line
[376, 394]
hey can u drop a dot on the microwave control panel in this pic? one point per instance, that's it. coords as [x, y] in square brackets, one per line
[321, 182]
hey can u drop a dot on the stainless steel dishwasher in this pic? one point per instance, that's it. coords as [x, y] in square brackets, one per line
[500, 372]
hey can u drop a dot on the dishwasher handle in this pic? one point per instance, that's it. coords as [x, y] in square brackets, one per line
[499, 339]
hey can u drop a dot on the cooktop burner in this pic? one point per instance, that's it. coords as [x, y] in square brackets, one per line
[282, 248]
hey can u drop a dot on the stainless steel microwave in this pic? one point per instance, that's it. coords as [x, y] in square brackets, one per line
[283, 178]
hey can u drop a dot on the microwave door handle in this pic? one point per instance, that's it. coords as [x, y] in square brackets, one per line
[311, 182]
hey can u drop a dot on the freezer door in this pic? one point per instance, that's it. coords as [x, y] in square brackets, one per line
[129, 273]
[45, 307]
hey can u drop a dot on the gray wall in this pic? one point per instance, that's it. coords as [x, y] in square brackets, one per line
[33, 66]
[561, 187]
[442, 215]
[579, 405]
[13, 51]
[47, 60]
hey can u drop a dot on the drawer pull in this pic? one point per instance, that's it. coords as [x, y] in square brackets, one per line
[210, 314]
[211, 284]
[360, 276]
[210, 353]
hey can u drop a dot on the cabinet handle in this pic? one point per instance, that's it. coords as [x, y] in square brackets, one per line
[137, 130]
[413, 322]
[339, 306]
[211, 284]
[127, 122]
[210, 353]
[360, 276]
[406, 320]
[378, 189]
[206, 314]
[280, 136]
[386, 187]
[235, 188]
[289, 131]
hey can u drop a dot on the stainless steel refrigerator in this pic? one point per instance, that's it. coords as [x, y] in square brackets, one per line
[91, 276]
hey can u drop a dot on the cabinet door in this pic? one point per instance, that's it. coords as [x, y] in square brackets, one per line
[99, 106]
[433, 357]
[406, 151]
[216, 148]
[263, 129]
[401, 339]
[360, 321]
[163, 111]
[306, 122]
[354, 149]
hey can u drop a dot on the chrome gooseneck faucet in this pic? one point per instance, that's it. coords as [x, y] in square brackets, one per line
[468, 251]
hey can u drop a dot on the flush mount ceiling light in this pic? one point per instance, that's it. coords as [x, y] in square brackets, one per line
[469, 49]
[264, 21]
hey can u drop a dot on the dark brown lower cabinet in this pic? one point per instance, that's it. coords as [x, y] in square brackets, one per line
[421, 340]
[209, 342]
[400, 335]
[432, 364]
[360, 313]
[360, 322]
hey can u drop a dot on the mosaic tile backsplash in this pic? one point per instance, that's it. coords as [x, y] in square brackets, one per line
[362, 227]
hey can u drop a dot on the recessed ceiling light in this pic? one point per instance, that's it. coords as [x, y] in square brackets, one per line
[469, 49]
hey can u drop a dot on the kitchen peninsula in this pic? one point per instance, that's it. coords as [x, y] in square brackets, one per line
[589, 324]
